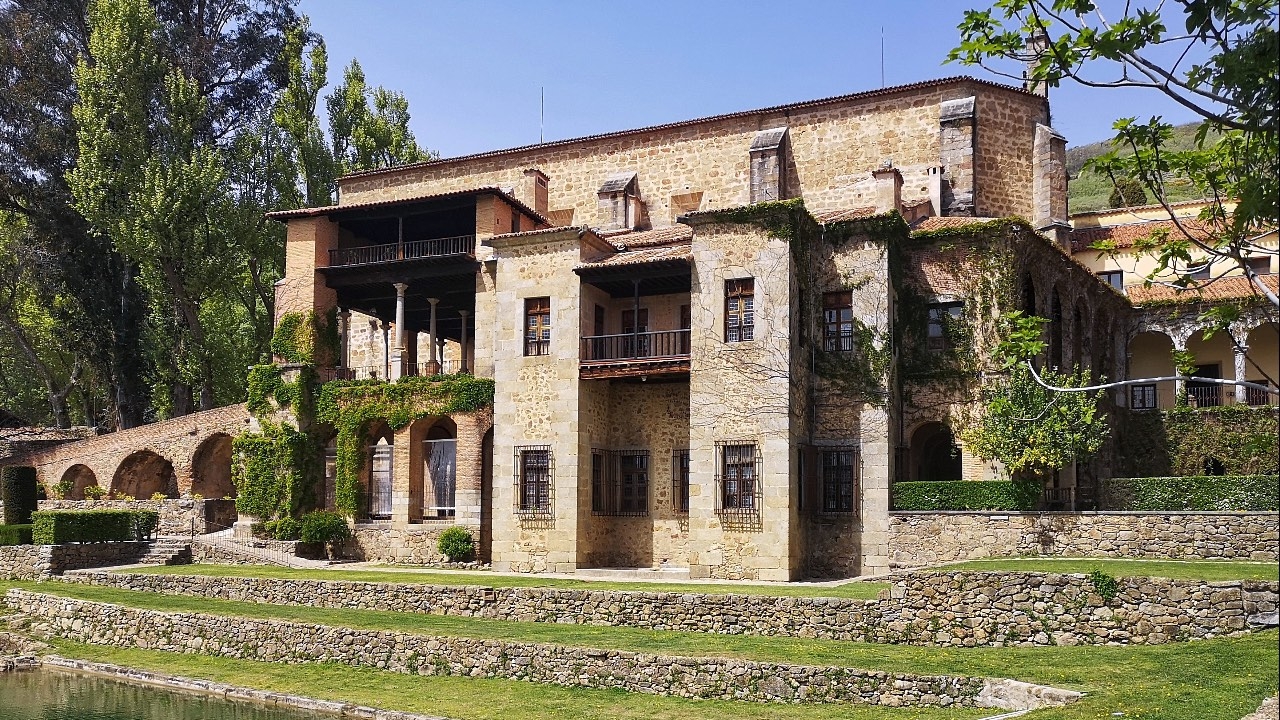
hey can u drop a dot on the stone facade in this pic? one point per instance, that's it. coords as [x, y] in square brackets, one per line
[917, 539]
[690, 677]
[963, 609]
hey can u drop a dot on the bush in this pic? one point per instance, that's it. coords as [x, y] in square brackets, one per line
[55, 527]
[18, 489]
[324, 527]
[15, 534]
[286, 528]
[64, 488]
[1195, 493]
[94, 492]
[456, 544]
[967, 495]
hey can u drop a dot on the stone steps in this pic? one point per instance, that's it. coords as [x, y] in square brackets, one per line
[167, 551]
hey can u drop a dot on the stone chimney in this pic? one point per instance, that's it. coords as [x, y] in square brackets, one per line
[935, 189]
[957, 123]
[533, 190]
[1037, 45]
[769, 165]
[619, 205]
[1049, 185]
[888, 188]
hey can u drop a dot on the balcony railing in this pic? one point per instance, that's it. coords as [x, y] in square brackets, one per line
[435, 247]
[1204, 395]
[660, 344]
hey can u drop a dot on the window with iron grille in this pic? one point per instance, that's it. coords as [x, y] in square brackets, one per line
[680, 480]
[837, 321]
[537, 326]
[738, 478]
[739, 310]
[620, 482]
[942, 316]
[1142, 397]
[533, 480]
[840, 471]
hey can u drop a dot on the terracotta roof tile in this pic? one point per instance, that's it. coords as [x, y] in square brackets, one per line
[335, 209]
[1124, 236]
[951, 221]
[649, 238]
[833, 216]
[643, 256]
[1227, 288]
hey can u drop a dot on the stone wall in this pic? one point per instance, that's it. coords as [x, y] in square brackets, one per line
[177, 517]
[34, 562]
[690, 677]
[967, 609]
[926, 538]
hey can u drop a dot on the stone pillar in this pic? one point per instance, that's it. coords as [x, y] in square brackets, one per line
[433, 366]
[398, 349]
[344, 338]
[463, 365]
[957, 123]
[1179, 345]
[385, 327]
[1049, 186]
[888, 188]
[1241, 350]
[768, 162]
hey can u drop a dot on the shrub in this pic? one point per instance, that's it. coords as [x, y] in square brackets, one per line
[456, 544]
[967, 495]
[94, 492]
[1203, 493]
[15, 534]
[18, 488]
[1105, 585]
[158, 496]
[287, 528]
[324, 527]
[64, 488]
[55, 527]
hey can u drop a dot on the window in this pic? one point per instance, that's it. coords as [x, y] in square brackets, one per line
[1142, 397]
[739, 478]
[839, 474]
[377, 504]
[837, 321]
[1259, 265]
[635, 347]
[598, 503]
[1201, 272]
[537, 326]
[533, 480]
[739, 310]
[620, 482]
[680, 480]
[440, 471]
[942, 316]
[1114, 278]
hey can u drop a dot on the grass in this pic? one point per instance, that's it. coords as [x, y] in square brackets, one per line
[1202, 680]
[1091, 191]
[1175, 569]
[854, 590]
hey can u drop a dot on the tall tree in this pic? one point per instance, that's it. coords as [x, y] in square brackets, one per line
[367, 137]
[311, 181]
[1233, 89]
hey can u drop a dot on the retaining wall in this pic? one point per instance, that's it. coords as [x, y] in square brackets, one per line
[692, 677]
[961, 609]
[35, 562]
[177, 517]
[927, 538]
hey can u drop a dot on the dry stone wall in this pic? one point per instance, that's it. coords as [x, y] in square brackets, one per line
[956, 609]
[177, 517]
[691, 677]
[919, 538]
[35, 562]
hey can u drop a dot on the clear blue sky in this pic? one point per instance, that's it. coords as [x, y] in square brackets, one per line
[472, 71]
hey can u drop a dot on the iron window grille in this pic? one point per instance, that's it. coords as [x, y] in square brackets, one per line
[739, 491]
[620, 482]
[830, 479]
[837, 321]
[680, 481]
[534, 481]
[739, 310]
[537, 326]
[1142, 397]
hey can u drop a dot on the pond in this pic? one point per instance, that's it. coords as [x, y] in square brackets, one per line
[61, 695]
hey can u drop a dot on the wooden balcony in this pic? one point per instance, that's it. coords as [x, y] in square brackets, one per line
[642, 354]
[464, 245]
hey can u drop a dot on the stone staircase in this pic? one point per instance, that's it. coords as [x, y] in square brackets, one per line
[238, 550]
[167, 551]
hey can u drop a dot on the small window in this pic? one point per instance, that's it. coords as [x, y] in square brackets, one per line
[1142, 397]
[837, 321]
[1114, 278]
[680, 480]
[739, 479]
[537, 324]
[533, 480]
[1201, 272]
[1259, 265]
[942, 316]
[739, 310]
[598, 500]
[839, 479]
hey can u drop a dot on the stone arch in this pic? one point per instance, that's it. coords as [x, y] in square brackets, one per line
[211, 468]
[79, 477]
[1261, 360]
[377, 477]
[1151, 355]
[1056, 323]
[934, 453]
[142, 474]
[433, 468]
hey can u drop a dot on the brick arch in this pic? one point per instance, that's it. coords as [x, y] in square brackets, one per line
[142, 474]
[80, 476]
[211, 468]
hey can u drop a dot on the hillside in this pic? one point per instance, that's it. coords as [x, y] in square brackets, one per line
[1090, 191]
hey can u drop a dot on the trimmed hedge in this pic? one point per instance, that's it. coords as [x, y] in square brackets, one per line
[15, 534]
[20, 493]
[1197, 492]
[967, 495]
[55, 527]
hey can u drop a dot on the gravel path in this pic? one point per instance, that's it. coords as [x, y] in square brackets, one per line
[1268, 710]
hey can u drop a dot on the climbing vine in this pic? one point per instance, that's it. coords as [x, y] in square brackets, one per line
[352, 406]
[274, 471]
[1186, 441]
[306, 338]
[268, 391]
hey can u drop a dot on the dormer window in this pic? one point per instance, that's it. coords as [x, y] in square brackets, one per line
[619, 201]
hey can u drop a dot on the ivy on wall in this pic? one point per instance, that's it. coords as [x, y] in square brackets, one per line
[268, 391]
[306, 338]
[1185, 441]
[274, 471]
[352, 406]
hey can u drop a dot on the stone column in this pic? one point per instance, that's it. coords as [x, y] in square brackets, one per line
[434, 362]
[1179, 385]
[1241, 351]
[397, 350]
[462, 343]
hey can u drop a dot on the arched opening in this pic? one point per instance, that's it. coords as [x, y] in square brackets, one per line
[1150, 356]
[211, 468]
[1214, 358]
[1261, 362]
[433, 470]
[1080, 339]
[485, 550]
[379, 472]
[76, 479]
[1028, 295]
[142, 475]
[934, 454]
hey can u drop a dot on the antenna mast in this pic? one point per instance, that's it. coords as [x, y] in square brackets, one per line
[542, 116]
[881, 56]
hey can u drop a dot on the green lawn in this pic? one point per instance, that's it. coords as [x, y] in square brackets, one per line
[855, 590]
[1199, 680]
[1177, 569]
